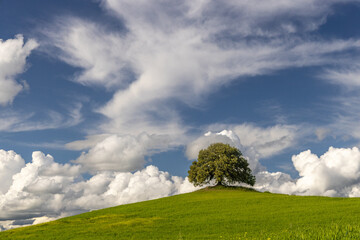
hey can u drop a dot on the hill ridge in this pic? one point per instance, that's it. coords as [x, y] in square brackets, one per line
[209, 213]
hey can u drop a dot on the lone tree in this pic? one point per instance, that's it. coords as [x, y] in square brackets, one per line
[222, 163]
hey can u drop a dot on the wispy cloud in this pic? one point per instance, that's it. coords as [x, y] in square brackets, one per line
[186, 51]
[15, 121]
[348, 76]
[344, 108]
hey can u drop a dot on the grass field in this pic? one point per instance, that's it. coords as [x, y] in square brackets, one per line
[216, 213]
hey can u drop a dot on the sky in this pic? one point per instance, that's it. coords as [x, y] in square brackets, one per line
[108, 102]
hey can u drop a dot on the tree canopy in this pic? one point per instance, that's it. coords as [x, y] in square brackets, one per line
[222, 163]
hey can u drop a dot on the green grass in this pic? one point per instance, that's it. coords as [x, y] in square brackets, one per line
[215, 213]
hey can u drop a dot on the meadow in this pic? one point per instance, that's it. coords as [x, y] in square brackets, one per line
[211, 213]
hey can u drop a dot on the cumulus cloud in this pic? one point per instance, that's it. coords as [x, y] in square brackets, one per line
[13, 55]
[118, 153]
[121, 188]
[44, 190]
[275, 182]
[10, 164]
[335, 173]
[37, 188]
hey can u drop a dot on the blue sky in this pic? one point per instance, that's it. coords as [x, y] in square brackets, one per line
[123, 88]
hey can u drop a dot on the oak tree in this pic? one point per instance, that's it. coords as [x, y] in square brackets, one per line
[222, 163]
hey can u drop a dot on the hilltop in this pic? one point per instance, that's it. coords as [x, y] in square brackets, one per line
[210, 213]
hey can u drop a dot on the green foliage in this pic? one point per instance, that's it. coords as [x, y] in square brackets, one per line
[211, 213]
[222, 163]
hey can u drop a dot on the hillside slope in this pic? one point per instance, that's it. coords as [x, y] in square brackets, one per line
[216, 213]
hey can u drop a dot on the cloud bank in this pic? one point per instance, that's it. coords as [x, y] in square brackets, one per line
[43, 189]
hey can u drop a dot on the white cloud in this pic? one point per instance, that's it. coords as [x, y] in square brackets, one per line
[88, 143]
[343, 116]
[228, 137]
[12, 121]
[13, 54]
[335, 173]
[177, 54]
[44, 190]
[321, 133]
[344, 111]
[332, 172]
[171, 52]
[121, 188]
[181, 54]
[117, 153]
[10, 164]
[258, 17]
[100, 61]
[120, 153]
[254, 142]
[348, 77]
[266, 142]
[37, 189]
[276, 182]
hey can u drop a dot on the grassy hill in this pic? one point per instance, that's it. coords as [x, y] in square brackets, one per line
[215, 213]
